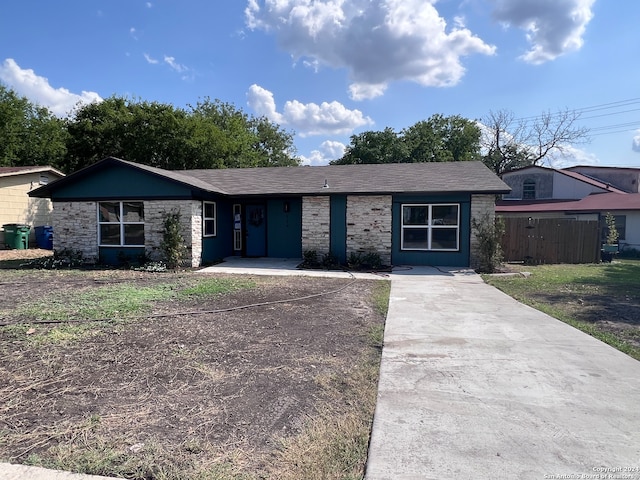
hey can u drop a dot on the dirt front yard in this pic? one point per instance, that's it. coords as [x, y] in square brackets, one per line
[185, 385]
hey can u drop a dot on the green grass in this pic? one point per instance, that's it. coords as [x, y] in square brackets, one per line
[105, 303]
[559, 290]
[216, 286]
[381, 296]
[88, 312]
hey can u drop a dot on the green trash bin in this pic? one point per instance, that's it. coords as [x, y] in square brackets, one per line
[16, 236]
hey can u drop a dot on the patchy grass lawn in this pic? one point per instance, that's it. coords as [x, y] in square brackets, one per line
[602, 300]
[159, 376]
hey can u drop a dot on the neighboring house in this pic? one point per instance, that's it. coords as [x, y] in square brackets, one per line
[418, 213]
[543, 183]
[581, 193]
[15, 204]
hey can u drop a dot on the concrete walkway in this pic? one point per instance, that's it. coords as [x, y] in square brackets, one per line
[474, 385]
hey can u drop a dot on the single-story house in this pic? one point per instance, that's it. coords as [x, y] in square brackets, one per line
[409, 213]
[16, 207]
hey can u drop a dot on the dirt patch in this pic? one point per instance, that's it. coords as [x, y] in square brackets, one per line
[617, 315]
[194, 388]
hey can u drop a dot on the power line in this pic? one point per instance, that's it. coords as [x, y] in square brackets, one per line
[593, 108]
[603, 107]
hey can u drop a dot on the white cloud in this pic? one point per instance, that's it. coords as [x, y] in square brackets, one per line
[149, 4]
[171, 61]
[150, 59]
[378, 42]
[132, 32]
[59, 101]
[554, 27]
[571, 156]
[635, 145]
[329, 150]
[328, 118]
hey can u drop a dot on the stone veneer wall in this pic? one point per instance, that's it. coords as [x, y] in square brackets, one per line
[369, 225]
[75, 228]
[316, 218]
[190, 221]
[480, 206]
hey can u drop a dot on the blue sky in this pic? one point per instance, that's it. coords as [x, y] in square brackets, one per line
[326, 70]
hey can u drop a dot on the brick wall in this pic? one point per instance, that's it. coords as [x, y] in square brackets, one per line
[316, 213]
[75, 227]
[369, 225]
[191, 226]
[481, 205]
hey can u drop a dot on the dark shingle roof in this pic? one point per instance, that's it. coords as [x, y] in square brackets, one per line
[446, 177]
[371, 178]
[11, 171]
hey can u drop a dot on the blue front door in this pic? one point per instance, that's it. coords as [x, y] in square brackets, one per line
[256, 231]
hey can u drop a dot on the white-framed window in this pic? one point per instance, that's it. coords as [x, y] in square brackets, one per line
[121, 224]
[209, 219]
[431, 227]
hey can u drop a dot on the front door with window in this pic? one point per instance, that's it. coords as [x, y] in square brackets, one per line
[256, 231]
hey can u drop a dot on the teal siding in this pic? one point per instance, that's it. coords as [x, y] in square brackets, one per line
[284, 229]
[338, 239]
[449, 259]
[123, 183]
[119, 256]
[216, 248]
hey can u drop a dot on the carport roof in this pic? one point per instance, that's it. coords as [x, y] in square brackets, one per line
[436, 177]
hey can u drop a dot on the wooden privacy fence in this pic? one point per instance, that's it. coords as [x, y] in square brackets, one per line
[551, 240]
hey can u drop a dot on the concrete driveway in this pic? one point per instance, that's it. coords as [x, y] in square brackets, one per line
[474, 385]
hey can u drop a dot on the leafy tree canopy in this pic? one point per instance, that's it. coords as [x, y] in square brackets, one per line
[29, 134]
[211, 134]
[437, 139]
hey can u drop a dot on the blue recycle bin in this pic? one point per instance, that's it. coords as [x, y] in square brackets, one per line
[44, 237]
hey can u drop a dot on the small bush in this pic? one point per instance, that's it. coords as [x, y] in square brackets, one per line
[364, 261]
[489, 234]
[310, 259]
[330, 261]
[173, 246]
[65, 258]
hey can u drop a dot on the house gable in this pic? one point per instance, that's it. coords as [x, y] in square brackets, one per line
[115, 180]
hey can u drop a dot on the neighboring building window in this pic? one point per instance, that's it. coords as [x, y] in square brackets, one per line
[529, 190]
[121, 224]
[434, 227]
[44, 179]
[621, 227]
[209, 219]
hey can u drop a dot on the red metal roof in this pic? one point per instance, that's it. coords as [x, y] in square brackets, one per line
[598, 202]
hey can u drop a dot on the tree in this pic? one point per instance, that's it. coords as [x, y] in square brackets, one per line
[150, 133]
[511, 143]
[212, 134]
[437, 139]
[373, 147]
[442, 139]
[29, 134]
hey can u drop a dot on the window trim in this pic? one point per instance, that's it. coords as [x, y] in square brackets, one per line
[429, 226]
[122, 224]
[213, 219]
